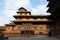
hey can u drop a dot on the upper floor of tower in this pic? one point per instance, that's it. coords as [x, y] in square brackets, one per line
[22, 11]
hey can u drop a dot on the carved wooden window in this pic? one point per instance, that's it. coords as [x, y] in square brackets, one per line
[41, 27]
[8, 27]
[27, 25]
[35, 27]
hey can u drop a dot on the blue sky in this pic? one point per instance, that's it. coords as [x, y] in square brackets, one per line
[8, 8]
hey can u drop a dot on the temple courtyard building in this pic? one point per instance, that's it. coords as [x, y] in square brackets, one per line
[27, 24]
[33, 27]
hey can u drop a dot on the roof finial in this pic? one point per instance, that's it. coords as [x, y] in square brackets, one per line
[22, 8]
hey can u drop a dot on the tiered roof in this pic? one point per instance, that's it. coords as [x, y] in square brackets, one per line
[23, 10]
[10, 24]
[25, 16]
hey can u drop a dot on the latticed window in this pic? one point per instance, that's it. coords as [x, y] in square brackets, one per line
[41, 27]
[8, 27]
[27, 25]
[35, 27]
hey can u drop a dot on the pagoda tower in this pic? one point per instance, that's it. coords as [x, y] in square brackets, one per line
[27, 24]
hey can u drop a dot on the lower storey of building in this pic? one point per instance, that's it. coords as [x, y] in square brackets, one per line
[26, 33]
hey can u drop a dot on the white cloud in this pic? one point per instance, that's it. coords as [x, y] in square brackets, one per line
[40, 9]
[11, 6]
[3, 21]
